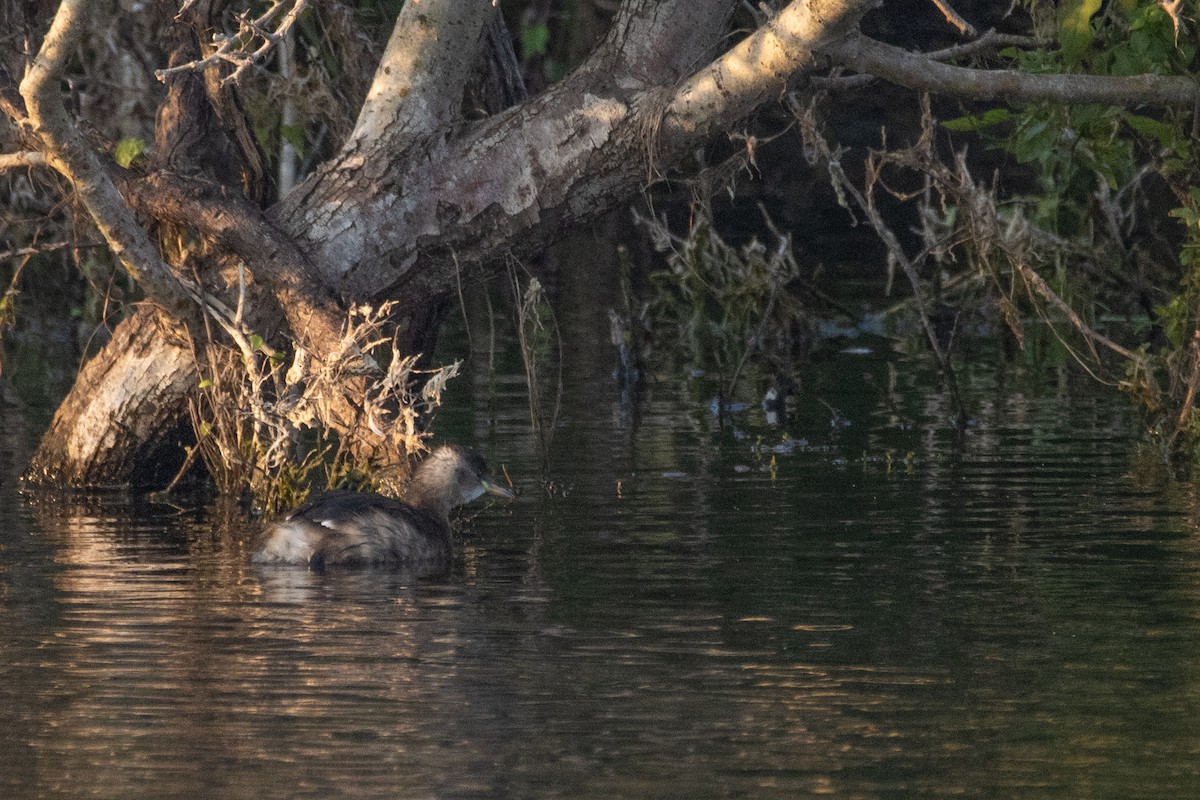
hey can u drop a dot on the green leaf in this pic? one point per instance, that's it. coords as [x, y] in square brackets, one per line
[976, 122]
[294, 135]
[1174, 319]
[128, 151]
[204, 384]
[1163, 133]
[1075, 28]
[256, 342]
[534, 39]
[1187, 216]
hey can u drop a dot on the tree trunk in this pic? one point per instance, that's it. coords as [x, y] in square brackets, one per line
[122, 422]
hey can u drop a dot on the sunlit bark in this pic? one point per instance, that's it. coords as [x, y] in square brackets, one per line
[759, 67]
[418, 87]
[115, 426]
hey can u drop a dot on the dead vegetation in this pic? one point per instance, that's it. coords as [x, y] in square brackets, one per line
[257, 415]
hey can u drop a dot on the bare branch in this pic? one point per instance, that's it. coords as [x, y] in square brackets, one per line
[924, 74]
[844, 186]
[36, 250]
[991, 40]
[953, 17]
[231, 49]
[68, 153]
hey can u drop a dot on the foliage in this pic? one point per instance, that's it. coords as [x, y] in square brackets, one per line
[534, 39]
[128, 151]
[256, 416]
[1098, 170]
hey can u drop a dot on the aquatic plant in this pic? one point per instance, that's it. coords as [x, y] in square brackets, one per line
[538, 337]
[721, 307]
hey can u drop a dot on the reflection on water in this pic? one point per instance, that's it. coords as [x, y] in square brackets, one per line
[888, 608]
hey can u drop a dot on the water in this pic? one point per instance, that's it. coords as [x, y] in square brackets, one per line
[888, 608]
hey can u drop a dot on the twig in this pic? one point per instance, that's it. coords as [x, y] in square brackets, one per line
[1042, 289]
[1189, 399]
[527, 312]
[69, 154]
[953, 17]
[990, 40]
[920, 72]
[462, 302]
[896, 253]
[229, 49]
[978, 210]
[38, 249]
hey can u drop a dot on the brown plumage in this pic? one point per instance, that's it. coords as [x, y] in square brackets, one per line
[358, 529]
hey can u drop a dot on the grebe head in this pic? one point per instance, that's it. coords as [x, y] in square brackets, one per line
[449, 477]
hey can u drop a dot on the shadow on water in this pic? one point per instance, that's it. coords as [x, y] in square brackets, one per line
[867, 603]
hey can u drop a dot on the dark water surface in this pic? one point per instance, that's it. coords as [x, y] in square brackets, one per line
[878, 609]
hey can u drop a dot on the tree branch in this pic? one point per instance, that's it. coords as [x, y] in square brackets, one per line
[989, 41]
[10, 161]
[921, 73]
[954, 18]
[234, 223]
[418, 87]
[69, 155]
[365, 217]
[229, 49]
[759, 66]
[659, 43]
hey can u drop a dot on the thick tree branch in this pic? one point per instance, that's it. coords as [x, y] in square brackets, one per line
[70, 155]
[566, 156]
[233, 223]
[365, 217]
[733, 85]
[151, 352]
[655, 44]
[418, 87]
[921, 73]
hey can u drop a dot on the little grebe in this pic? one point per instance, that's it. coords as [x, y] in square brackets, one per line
[358, 529]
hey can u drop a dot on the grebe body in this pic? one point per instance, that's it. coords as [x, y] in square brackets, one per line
[360, 529]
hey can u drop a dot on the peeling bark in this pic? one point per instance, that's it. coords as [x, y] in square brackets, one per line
[384, 224]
